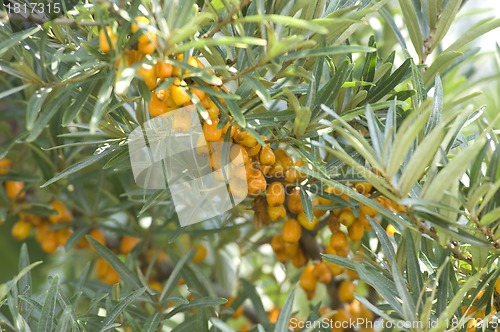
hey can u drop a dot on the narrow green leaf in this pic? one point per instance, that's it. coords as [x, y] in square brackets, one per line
[175, 275]
[458, 299]
[286, 21]
[46, 321]
[383, 238]
[420, 160]
[376, 135]
[128, 276]
[385, 86]
[119, 308]
[79, 166]
[411, 21]
[445, 20]
[472, 34]
[286, 312]
[328, 93]
[197, 303]
[35, 105]
[251, 293]
[103, 99]
[435, 189]
[327, 51]
[307, 204]
[439, 66]
[11, 91]
[57, 101]
[16, 38]
[65, 321]
[221, 325]
[437, 106]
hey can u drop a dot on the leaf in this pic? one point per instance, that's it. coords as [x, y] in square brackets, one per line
[197, 303]
[286, 312]
[48, 113]
[14, 90]
[385, 86]
[405, 137]
[459, 297]
[328, 93]
[65, 321]
[376, 135]
[35, 105]
[435, 188]
[175, 275]
[221, 325]
[420, 160]
[103, 99]
[439, 66]
[250, 291]
[286, 21]
[390, 20]
[301, 121]
[16, 38]
[117, 310]
[129, 278]
[307, 204]
[445, 20]
[472, 34]
[411, 21]
[46, 321]
[437, 107]
[327, 51]
[79, 166]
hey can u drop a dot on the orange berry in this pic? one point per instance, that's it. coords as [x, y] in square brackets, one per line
[156, 106]
[128, 243]
[352, 274]
[200, 253]
[299, 259]
[366, 210]
[148, 74]
[356, 230]
[338, 240]
[200, 94]
[497, 286]
[308, 280]
[63, 235]
[346, 291]
[322, 273]
[275, 194]
[163, 70]
[98, 235]
[284, 158]
[471, 325]
[245, 138]
[277, 242]
[291, 231]
[254, 151]
[273, 315]
[294, 203]
[156, 285]
[276, 212]
[334, 269]
[333, 223]
[390, 230]
[138, 21]
[147, 46]
[104, 44]
[14, 190]
[49, 242]
[290, 248]
[105, 272]
[5, 165]
[267, 156]
[62, 215]
[363, 187]
[256, 182]
[241, 151]
[347, 218]
[211, 132]
[178, 90]
[309, 225]
[21, 230]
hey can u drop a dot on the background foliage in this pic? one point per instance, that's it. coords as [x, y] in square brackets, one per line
[359, 91]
